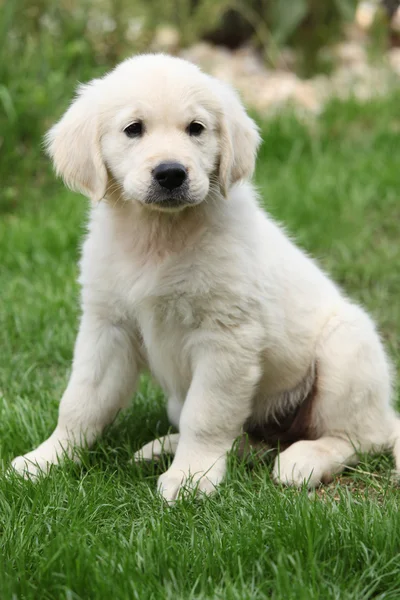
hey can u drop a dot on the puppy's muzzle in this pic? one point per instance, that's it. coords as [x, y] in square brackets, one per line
[170, 175]
[170, 186]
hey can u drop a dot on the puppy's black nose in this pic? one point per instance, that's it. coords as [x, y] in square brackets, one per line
[170, 175]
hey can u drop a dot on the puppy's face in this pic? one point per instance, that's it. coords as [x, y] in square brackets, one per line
[160, 135]
[157, 131]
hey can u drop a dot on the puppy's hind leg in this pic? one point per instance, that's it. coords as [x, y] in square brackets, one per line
[352, 411]
[155, 449]
[313, 462]
[166, 444]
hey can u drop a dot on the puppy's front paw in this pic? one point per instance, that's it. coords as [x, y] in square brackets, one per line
[175, 481]
[30, 466]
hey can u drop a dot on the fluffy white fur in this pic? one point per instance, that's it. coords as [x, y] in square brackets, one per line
[214, 299]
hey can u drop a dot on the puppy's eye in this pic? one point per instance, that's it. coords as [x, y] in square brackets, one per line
[134, 129]
[195, 128]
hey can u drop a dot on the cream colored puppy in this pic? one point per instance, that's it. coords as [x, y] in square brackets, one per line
[184, 274]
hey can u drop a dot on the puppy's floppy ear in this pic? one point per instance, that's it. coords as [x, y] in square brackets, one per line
[74, 145]
[239, 140]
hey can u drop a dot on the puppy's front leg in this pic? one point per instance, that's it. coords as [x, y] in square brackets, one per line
[104, 374]
[217, 405]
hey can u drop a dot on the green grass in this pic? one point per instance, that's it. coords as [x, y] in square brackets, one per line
[100, 531]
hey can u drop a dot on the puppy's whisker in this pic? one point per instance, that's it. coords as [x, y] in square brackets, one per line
[113, 187]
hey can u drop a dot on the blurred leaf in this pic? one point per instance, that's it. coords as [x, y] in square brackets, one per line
[7, 103]
[346, 8]
[286, 17]
[76, 48]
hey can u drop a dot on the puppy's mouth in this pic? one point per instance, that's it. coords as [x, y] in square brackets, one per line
[169, 200]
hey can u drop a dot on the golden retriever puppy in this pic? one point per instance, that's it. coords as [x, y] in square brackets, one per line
[183, 274]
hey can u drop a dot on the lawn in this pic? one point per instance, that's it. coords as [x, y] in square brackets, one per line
[99, 530]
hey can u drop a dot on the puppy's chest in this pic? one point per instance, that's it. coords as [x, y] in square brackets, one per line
[167, 325]
[168, 303]
[177, 310]
[166, 321]
[174, 306]
[170, 295]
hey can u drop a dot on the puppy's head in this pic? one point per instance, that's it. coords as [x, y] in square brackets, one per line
[157, 131]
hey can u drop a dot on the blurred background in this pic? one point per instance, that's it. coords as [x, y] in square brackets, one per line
[275, 52]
